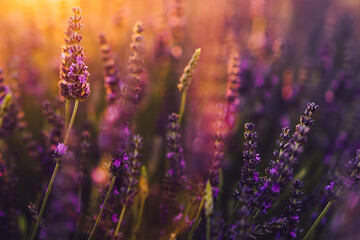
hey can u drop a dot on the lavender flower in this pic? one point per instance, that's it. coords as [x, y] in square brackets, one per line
[234, 81]
[175, 178]
[218, 149]
[249, 176]
[75, 85]
[111, 80]
[135, 65]
[280, 171]
[61, 149]
[175, 151]
[119, 163]
[291, 230]
[128, 181]
[185, 79]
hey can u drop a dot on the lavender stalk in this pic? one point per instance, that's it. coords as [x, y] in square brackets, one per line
[118, 167]
[102, 206]
[185, 80]
[144, 192]
[318, 220]
[78, 89]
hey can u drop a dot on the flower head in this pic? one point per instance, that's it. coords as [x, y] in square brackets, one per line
[119, 163]
[61, 150]
[73, 71]
[185, 79]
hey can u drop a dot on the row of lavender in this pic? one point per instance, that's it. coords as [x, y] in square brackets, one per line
[92, 181]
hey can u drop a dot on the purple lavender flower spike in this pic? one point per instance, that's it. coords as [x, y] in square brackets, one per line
[280, 171]
[293, 210]
[111, 80]
[175, 151]
[127, 169]
[251, 160]
[136, 80]
[175, 178]
[218, 149]
[73, 71]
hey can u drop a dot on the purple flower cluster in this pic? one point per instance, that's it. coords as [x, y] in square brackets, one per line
[126, 168]
[293, 211]
[175, 152]
[280, 171]
[73, 71]
[119, 163]
[127, 182]
[175, 178]
[249, 176]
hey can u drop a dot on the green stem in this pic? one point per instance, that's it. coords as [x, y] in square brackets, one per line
[196, 219]
[233, 212]
[208, 228]
[182, 107]
[318, 220]
[53, 176]
[138, 223]
[38, 220]
[102, 207]
[120, 220]
[67, 113]
[71, 121]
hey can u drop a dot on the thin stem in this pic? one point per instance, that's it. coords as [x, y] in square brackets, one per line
[71, 121]
[233, 212]
[45, 200]
[208, 228]
[318, 220]
[182, 107]
[138, 223]
[255, 216]
[53, 176]
[103, 206]
[120, 220]
[67, 113]
[196, 219]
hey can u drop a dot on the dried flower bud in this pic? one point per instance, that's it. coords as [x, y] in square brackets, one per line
[185, 79]
[209, 203]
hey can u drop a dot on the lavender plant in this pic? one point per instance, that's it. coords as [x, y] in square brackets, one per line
[156, 154]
